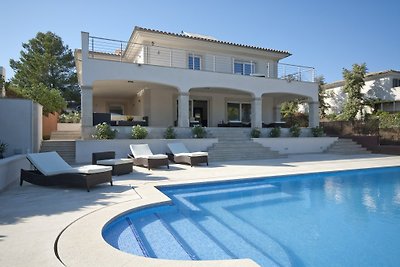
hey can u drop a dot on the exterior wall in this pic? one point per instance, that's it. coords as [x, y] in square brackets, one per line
[21, 128]
[10, 169]
[299, 145]
[102, 104]
[49, 124]
[185, 79]
[84, 149]
[161, 108]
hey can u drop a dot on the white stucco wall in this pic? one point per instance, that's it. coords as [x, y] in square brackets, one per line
[21, 125]
[10, 169]
[297, 145]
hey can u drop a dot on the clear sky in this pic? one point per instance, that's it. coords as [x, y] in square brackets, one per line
[327, 35]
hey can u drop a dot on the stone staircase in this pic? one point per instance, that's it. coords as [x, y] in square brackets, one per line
[65, 148]
[346, 147]
[65, 135]
[235, 144]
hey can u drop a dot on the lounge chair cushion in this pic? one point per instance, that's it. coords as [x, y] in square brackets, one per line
[112, 162]
[50, 163]
[90, 169]
[143, 151]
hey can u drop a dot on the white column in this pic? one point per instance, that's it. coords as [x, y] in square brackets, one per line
[277, 113]
[183, 110]
[313, 114]
[86, 111]
[256, 113]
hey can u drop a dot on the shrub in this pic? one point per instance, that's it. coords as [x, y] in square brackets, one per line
[317, 131]
[3, 147]
[295, 130]
[199, 132]
[255, 133]
[275, 132]
[71, 117]
[104, 131]
[139, 132]
[170, 133]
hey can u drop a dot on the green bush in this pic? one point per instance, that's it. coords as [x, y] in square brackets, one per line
[139, 132]
[170, 133]
[3, 147]
[104, 131]
[199, 132]
[275, 132]
[295, 130]
[71, 117]
[317, 131]
[255, 133]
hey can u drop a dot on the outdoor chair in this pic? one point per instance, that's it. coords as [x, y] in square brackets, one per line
[52, 170]
[182, 155]
[142, 156]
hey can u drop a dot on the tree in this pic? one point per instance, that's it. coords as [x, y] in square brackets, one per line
[46, 60]
[50, 99]
[353, 83]
[323, 106]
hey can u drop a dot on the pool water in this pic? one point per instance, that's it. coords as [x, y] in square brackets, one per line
[349, 218]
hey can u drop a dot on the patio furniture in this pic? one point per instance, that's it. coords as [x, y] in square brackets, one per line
[142, 156]
[182, 155]
[107, 158]
[52, 170]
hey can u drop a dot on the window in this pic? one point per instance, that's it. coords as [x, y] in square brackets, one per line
[239, 112]
[396, 82]
[243, 68]
[194, 62]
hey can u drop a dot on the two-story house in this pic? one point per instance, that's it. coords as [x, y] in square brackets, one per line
[183, 79]
[383, 87]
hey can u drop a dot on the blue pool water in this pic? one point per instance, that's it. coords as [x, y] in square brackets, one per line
[349, 218]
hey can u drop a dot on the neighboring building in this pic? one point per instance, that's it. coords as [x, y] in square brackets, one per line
[383, 86]
[184, 79]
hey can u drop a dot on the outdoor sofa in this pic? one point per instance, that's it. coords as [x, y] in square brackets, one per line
[52, 170]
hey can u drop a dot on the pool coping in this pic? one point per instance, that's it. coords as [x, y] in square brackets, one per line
[94, 251]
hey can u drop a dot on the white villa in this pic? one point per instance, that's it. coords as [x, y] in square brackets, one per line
[161, 79]
[383, 86]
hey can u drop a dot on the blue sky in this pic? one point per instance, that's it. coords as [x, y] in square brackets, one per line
[327, 35]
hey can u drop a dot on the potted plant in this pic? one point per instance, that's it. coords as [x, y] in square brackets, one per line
[255, 133]
[3, 148]
[170, 133]
[139, 132]
[104, 131]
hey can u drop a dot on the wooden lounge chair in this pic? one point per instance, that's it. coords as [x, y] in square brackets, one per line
[52, 170]
[182, 155]
[142, 156]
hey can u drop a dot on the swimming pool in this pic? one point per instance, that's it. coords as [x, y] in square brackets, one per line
[349, 218]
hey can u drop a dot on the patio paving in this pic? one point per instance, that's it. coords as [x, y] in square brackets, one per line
[32, 217]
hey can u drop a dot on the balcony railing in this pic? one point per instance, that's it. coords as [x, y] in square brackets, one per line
[150, 54]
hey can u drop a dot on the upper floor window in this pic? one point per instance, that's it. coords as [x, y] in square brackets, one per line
[243, 67]
[396, 82]
[194, 62]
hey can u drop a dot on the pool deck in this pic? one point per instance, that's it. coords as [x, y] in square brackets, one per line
[36, 222]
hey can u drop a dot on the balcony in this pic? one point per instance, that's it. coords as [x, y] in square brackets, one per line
[114, 50]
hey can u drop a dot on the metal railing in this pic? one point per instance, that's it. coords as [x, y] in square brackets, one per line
[150, 54]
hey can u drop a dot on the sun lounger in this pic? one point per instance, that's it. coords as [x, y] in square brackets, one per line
[107, 158]
[182, 155]
[52, 170]
[142, 156]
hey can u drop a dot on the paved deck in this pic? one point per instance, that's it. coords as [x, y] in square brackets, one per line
[32, 217]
